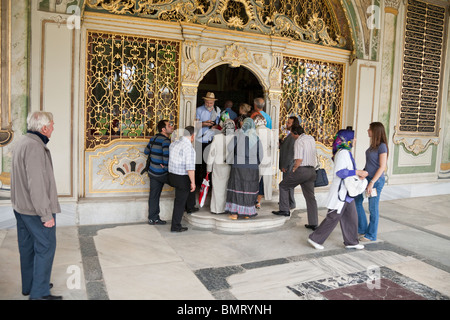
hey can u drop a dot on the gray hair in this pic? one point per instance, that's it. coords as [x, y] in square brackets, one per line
[39, 119]
[259, 103]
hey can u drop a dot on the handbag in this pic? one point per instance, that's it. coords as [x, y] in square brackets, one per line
[203, 191]
[321, 178]
[355, 186]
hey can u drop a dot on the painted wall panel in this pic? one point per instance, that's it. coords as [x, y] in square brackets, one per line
[56, 97]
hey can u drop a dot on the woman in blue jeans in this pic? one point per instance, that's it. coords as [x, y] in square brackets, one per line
[376, 158]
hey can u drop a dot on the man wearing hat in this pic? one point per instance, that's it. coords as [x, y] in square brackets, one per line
[208, 115]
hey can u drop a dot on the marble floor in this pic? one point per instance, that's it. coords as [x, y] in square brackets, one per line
[409, 261]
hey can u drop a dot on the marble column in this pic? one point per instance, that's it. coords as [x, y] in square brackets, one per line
[18, 82]
[387, 60]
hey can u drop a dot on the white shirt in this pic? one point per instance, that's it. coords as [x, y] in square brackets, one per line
[305, 149]
[181, 156]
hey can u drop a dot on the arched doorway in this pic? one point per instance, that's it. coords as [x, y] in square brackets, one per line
[235, 84]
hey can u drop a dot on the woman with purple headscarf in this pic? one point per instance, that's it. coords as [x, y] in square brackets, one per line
[341, 207]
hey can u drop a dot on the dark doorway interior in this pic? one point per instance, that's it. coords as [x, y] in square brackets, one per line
[235, 84]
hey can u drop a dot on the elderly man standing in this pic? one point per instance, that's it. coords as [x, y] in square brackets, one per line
[35, 202]
[259, 104]
[208, 116]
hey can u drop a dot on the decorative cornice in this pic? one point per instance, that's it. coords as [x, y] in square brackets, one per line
[244, 15]
[414, 144]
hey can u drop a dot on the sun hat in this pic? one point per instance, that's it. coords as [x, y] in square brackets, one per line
[210, 96]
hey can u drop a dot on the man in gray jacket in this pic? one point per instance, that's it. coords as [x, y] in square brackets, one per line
[35, 201]
[287, 155]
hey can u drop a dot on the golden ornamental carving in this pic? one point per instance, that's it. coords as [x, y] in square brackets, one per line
[275, 71]
[260, 60]
[235, 55]
[191, 69]
[126, 168]
[189, 91]
[209, 54]
[309, 20]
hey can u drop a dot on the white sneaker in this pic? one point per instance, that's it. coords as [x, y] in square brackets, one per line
[315, 245]
[355, 246]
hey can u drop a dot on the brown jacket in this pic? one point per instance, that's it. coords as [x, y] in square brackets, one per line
[33, 186]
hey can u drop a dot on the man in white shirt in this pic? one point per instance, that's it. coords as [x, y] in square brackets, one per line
[304, 174]
[182, 175]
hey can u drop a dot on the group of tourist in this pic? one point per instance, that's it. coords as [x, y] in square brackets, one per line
[237, 154]
[237, 148]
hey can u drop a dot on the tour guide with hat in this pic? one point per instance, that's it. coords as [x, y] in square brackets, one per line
[208, 115]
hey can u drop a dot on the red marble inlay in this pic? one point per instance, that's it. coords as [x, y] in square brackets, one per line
[386, 290]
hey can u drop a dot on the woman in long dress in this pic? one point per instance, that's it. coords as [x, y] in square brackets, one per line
[269, 142]
[216, 163]
[246, 153]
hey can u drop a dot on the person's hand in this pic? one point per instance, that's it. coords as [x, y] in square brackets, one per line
[50, 223]
[283, 170]
[192, 186]
[362, 174]
[207, 123]
[369, 188]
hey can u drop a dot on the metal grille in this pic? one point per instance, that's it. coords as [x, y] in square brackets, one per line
[300, 12]
[423, 52]
[311, 21]
[313, 91]
[132, 82]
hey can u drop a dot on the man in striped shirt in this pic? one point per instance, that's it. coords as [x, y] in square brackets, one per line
[158, 152]
[303, 173]
[182, 175]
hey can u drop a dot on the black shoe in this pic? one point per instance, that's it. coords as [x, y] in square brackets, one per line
[157, 221]
[310, 226]
[194, 209]
[49, 297]
[27, 294]
[282, 213]
[181, 229]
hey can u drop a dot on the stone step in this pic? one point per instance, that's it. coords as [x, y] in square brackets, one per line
[265, 220]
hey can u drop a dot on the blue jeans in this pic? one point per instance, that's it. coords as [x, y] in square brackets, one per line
[369, 230]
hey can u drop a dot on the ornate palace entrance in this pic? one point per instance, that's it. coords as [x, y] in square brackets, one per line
[235, 84]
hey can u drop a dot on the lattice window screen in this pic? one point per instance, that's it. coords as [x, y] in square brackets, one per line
[313, 90]
[422, 62]
[132, 82]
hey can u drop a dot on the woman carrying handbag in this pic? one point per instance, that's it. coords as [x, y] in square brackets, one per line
[341, 207]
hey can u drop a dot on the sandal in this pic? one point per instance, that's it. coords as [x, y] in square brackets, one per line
[258, 205]
[233, 216]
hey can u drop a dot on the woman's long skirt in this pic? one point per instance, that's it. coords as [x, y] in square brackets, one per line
[220, 176]
[242, 192]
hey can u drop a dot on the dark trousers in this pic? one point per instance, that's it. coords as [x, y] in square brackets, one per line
[349, 225]
[182, 185]
[156, 186]
[292, 203]
[201, 166]
[37, 246]
[305, 177]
